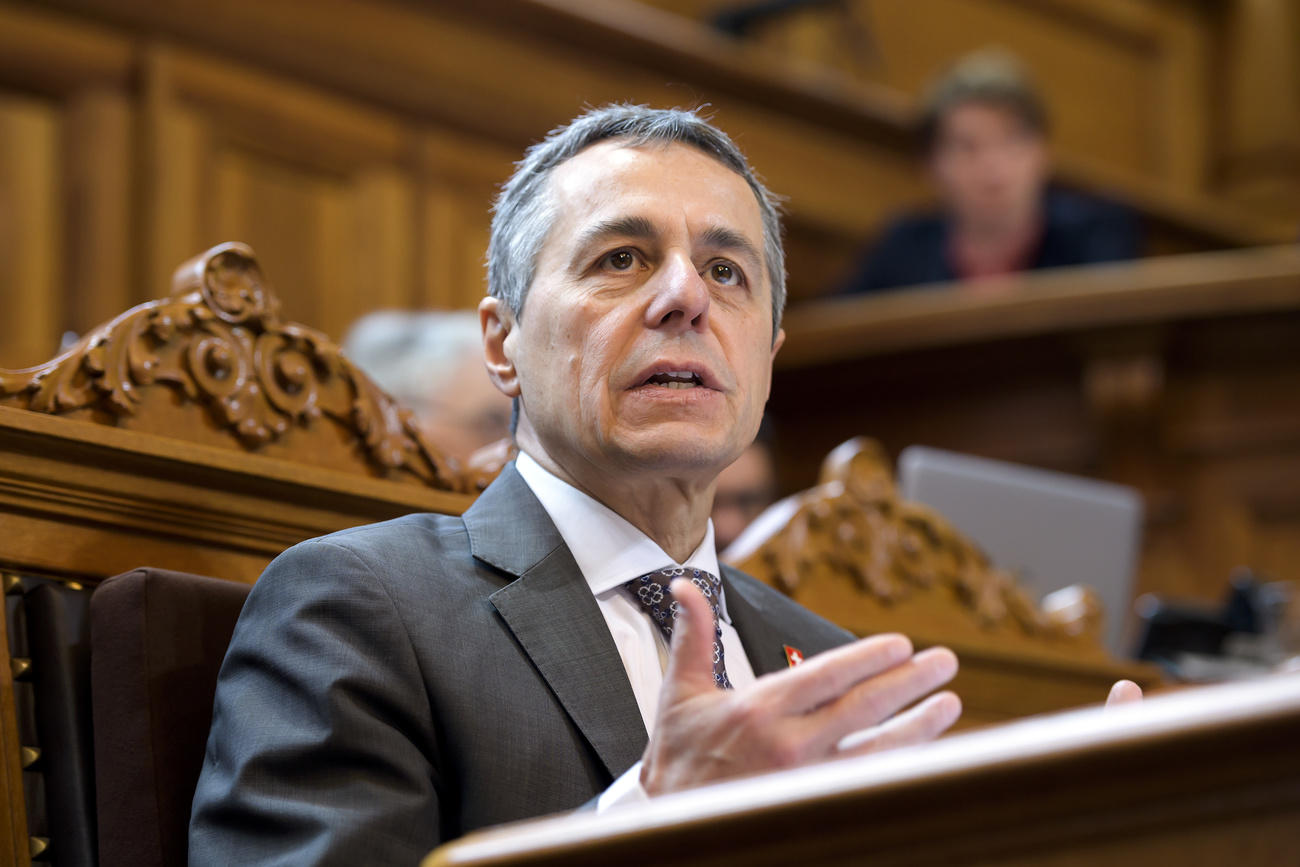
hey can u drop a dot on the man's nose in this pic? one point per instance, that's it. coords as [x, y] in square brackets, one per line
[681, 297]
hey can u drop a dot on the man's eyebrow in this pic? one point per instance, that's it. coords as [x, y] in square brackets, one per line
[639, 228]
[723, 238]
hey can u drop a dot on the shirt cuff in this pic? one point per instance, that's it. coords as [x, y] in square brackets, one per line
[626, 790]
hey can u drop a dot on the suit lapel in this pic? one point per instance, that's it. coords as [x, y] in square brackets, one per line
[551, 612]
[761, 639]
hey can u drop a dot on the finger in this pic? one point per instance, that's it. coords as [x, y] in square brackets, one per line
[1124, 692]
[827, 676]
[690, 657]
[873, 701]
[917, 725]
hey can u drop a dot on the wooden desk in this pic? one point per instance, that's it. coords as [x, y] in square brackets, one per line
[1178, 376]
[1207, 776]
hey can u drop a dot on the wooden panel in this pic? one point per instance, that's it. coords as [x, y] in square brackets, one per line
[93, 501]
[175, 206]
[100, 178]
[1087, 72]
[31, 223]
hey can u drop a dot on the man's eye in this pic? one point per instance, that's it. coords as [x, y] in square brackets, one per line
[724, 273]
[621, 260]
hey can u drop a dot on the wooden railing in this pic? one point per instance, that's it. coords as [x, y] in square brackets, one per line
[1207, 776]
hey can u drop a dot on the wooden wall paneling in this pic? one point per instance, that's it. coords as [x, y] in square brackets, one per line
[1086, 73]
[56, 53]
[31, 223]
[99, 176]
[452, 247]
[326, 115]
[1139, 66]
[869, 114]
[383, 238]
[304, 220]
[459, 179]
[1261, 125]
[1182, 127]
[321, 185]
[174, 156]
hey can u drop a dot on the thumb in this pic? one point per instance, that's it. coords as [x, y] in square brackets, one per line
[690, 659]
[1124, 692]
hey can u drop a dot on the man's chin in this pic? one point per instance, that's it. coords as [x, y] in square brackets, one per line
[682, 446]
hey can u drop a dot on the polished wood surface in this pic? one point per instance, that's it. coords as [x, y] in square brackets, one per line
[357, 145]
[1177, 376]
[1168, 289]
[1206, 776]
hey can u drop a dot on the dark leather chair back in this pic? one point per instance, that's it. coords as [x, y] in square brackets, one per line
[57, 636]
[157, 642]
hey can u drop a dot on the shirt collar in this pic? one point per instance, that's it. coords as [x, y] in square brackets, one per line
[609, 550]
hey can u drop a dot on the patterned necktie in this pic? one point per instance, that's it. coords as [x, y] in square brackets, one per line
[651, 590]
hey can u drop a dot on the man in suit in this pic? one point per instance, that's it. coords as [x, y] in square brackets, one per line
[571, 639]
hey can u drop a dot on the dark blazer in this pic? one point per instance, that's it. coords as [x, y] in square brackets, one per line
[1078, 230]
[393, 686]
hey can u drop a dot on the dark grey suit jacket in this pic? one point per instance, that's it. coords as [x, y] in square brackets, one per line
[393, 686]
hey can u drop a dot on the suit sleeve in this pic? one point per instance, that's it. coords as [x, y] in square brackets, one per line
[321, 749]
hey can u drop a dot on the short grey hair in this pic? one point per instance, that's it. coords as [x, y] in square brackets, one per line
[524, 211]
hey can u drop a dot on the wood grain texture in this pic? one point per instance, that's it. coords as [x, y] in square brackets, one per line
[216, 363]
[1205, 776]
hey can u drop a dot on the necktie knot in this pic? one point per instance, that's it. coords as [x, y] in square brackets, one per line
[652, 591]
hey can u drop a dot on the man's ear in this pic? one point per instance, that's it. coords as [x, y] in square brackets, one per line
[778, 342]
[498, 323]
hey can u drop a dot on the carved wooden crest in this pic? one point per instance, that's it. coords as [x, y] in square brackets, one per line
[263, 384]
[851, 541]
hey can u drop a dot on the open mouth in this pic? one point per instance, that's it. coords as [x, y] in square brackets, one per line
[674, 379]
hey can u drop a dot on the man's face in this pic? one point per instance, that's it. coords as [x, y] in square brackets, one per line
[646, 341]
[988, 165]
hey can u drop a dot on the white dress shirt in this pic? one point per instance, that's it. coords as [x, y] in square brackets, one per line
[610, 552]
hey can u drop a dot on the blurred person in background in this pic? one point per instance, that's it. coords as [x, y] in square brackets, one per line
[984, 131]
[432, 363]
[745, 489]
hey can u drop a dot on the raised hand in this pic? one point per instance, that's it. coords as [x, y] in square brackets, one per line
[842, 702]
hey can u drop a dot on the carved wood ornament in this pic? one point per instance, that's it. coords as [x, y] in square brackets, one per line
[219, 342]
[854, 527]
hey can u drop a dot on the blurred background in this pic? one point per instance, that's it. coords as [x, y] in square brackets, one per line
[357, 146]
